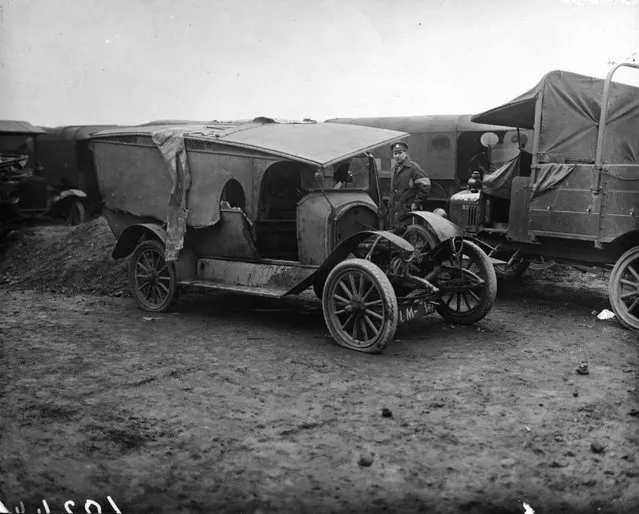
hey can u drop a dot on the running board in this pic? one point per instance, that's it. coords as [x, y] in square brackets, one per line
[264, 278]
[269, 292]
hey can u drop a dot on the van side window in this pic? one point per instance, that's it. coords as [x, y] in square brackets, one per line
[233, 194]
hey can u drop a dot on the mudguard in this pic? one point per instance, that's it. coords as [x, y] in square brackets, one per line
[71, 192]
[441, 228]
[342, 251]
[131, 235]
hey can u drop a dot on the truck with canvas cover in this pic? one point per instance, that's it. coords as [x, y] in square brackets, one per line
[273, 208]
[575, 196]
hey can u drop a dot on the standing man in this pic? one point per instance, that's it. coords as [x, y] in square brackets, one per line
[410, 186]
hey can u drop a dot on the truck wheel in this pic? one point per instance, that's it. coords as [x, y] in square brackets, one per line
[623, 289]
[467, 300]
[514, 269]
[360, 306]
[152, 280]
[76, 213]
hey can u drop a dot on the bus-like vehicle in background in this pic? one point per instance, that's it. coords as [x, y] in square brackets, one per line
[26, 192]
[574, 195]
[67, 161]
[448, 147]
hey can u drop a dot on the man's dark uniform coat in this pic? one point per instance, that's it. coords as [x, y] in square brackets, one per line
[409, 185]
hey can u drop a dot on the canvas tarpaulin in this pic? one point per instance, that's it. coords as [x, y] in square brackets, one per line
[549, 175]
[171, 144]
[570, 111]
[499, 182]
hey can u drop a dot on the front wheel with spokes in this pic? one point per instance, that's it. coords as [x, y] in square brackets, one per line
[468, 285]
[152, 280]
[360, 306]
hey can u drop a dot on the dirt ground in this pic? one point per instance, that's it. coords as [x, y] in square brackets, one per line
[237, 404]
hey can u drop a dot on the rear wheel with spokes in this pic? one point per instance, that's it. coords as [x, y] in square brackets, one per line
[360, 306]
[623, 290]
[468, 284]
[152, 280]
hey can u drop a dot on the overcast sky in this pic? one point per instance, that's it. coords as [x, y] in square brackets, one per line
[68, 62]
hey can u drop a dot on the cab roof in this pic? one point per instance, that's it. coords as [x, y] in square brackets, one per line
[320, 144]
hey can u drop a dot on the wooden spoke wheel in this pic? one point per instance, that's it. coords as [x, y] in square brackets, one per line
[623, 289]
[152, 280]
[360, 306]
[468, 284]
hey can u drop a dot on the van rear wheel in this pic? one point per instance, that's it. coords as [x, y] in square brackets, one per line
[152, 280]
[623, 289]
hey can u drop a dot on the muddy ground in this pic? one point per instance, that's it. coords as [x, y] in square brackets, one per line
[236, 404]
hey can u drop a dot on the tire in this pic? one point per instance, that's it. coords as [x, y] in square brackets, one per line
[623, 289]
[152, 280]
[513, 270]
[76, 214]
[353, 322]
[471, 304]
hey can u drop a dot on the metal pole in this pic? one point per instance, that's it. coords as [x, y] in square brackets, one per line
[603, 117]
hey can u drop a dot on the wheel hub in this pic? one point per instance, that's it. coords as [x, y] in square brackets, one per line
[356, 305]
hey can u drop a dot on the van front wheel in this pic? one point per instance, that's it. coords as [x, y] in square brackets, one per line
[360, 307]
